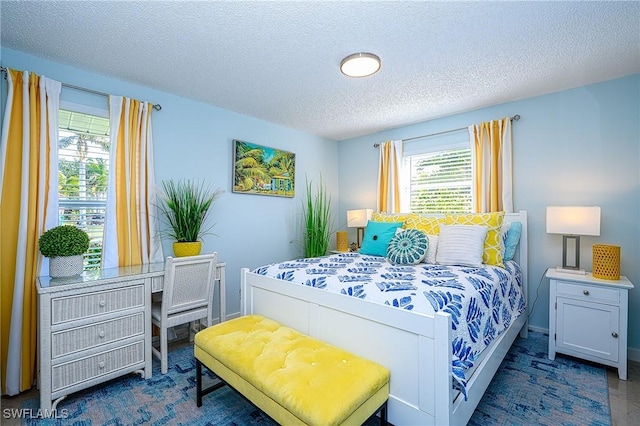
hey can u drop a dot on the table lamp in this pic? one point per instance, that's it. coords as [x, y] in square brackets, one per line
[358, 219]
[572, 222]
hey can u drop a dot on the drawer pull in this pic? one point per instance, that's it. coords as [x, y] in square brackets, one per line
[102, 303]
[585, 292]
[614, 334]
[101, 334]
[101, 364]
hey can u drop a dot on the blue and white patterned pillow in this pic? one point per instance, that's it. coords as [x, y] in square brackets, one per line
[408, 247]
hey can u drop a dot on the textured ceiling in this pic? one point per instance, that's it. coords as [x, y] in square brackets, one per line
[278, 61]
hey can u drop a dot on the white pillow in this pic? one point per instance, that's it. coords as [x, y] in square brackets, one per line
[461, 245]
[431, 251]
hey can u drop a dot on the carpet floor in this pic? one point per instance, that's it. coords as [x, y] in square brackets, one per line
[528, 389]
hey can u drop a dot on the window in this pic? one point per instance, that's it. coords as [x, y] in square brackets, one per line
[83, 174]
[437, 174]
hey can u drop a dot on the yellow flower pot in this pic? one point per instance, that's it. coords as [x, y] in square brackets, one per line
[187, 249]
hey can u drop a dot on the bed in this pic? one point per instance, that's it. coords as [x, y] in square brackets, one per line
[415, 344]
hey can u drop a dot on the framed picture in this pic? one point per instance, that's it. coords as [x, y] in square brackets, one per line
[262, 170]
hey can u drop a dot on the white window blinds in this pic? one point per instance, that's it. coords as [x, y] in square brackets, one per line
[438, 174]
[83, 163]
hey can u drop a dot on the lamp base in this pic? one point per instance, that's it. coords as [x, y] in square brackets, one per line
[579, 271]
[360, 233]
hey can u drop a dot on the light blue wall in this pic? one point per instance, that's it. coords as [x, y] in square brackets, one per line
[576, 147]
[194, 140]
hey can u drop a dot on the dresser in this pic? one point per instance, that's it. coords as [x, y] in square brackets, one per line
[92, 328]
[97, 326]
[588, 318]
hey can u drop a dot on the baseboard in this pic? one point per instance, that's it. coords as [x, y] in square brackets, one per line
[179, 332]
[539, 329]
[633, 354]
[232, 316]
[182, 332]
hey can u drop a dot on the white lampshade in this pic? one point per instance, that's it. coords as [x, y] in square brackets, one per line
[358, 218]
[573, 220]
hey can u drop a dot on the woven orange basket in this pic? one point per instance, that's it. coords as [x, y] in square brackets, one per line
[606, 262]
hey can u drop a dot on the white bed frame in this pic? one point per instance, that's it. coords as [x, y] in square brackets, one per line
[415, 347]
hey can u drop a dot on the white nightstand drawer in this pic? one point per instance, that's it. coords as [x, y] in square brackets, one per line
[82, 338]
[587, 292]
[96, 303]
[92, 367]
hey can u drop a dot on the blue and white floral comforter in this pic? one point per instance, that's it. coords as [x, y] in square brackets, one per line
[482, 302]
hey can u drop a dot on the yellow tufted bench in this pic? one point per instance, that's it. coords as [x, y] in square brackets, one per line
[293, 378]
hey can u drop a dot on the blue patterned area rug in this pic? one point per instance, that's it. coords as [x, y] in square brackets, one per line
[528, 389]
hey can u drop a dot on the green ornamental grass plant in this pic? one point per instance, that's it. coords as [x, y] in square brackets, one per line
[317, 218]
[186, 205]
[62, 241]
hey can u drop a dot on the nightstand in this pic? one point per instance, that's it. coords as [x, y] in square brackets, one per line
[588, 318]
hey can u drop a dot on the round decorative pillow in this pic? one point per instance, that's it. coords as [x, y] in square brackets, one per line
[408, 247]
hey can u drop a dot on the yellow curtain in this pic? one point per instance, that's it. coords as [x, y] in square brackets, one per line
[28, 194]
[492, 166]
[389, 176]
[131, 228]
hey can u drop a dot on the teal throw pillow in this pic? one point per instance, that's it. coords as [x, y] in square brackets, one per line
[377, 236]
[511, 240]
[408, 247]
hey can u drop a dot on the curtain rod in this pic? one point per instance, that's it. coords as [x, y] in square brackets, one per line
[157, 107]
[376, 145]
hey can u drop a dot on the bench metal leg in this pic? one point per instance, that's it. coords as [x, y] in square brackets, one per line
[202, 392]
[198, 383]
[383, 415]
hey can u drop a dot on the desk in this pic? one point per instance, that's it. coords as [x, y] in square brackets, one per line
[97, 326]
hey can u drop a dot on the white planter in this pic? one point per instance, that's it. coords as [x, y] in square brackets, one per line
[65, 266]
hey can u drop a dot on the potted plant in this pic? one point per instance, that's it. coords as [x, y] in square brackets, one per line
[186, 205]
[317, 221]
[64, 245]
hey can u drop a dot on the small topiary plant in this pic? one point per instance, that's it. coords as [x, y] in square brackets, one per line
[64, 240]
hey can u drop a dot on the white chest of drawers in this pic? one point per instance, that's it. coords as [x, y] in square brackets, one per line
[93, 328]
[588, 318]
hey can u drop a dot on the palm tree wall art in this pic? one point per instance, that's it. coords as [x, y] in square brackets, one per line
[262, 170]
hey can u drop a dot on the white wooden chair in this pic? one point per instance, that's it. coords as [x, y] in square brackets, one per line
[187, 296]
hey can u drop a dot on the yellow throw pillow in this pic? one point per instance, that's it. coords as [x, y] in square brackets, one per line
[428, 224]
[493, 251]
[389, 217]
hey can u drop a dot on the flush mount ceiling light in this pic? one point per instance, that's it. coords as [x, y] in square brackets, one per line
[360, 65]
